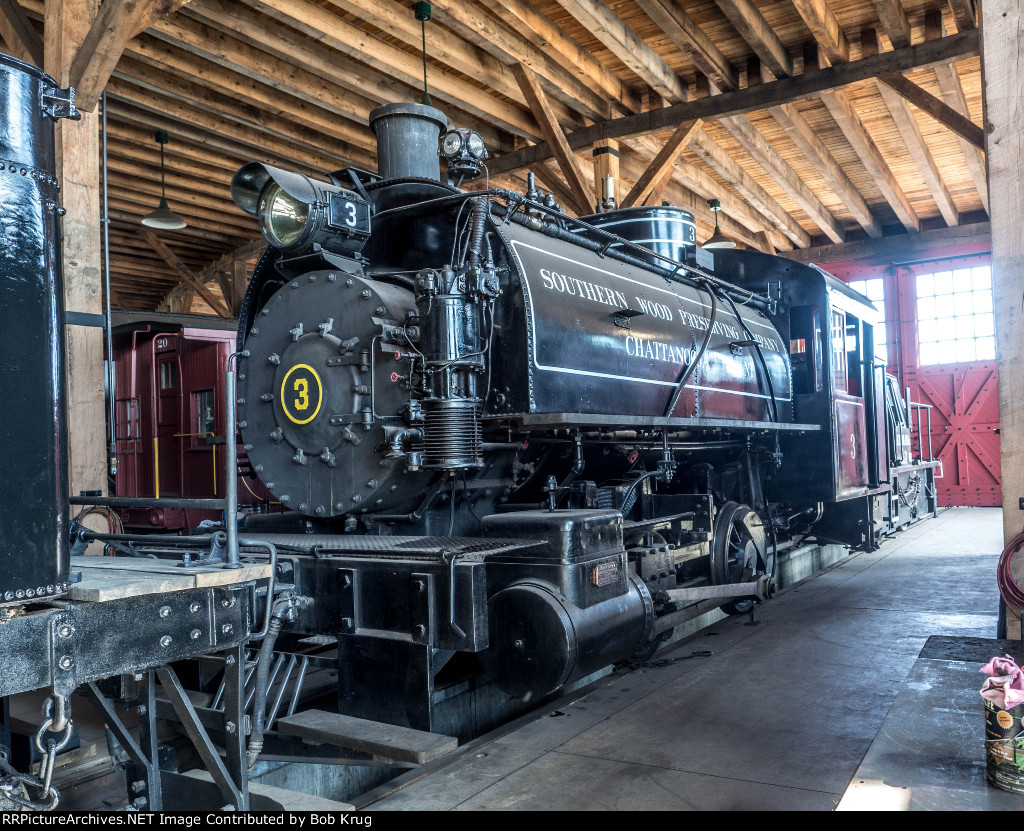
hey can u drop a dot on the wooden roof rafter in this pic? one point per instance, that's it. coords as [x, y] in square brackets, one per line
[292, 83]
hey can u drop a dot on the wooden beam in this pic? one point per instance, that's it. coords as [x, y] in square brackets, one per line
[719, 161]
[953, 92]
[314, 38]
[897, 247]
[117, 23]
[834, 45]
[871, 157]
[751, 140]
[237, 69]
[552, 131]
[797, 128]
[209, 130]
[764, 242]
[825, 28]
[19, 34]
[750, 23]
[773, 54]
[913, 138]
[616, 35]
[132, 79]
[936, 108]
[964, 14]
[691, 186]
[920, 153]
[740, 102]
[175, 64]
[184, 272]
[235, 263]
[659, 171]
[894, 22]
[562, 48]
[692, 41]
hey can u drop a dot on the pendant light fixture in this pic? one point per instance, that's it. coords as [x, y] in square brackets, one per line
[163, 218]
[423, 14]
[718, 239]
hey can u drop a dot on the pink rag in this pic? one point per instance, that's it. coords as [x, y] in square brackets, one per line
[1005, 687]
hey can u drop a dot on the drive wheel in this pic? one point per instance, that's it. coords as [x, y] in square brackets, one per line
[740, 551]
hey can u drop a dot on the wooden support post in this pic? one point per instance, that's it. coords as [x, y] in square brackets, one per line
[78, 171]
[1003, 72]
[606, 163]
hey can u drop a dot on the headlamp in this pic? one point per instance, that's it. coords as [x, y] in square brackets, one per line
[302, 215]
[463, 150]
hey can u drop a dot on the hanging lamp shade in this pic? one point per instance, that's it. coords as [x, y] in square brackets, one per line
[718, 239]
[163, 218]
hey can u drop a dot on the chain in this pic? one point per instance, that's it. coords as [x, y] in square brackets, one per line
[19, 788]
[15, 786]
[913, 488]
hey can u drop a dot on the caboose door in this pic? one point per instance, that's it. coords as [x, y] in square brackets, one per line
[168, 417]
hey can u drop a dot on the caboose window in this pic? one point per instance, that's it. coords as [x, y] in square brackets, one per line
[203, 410]
[168, 375]
[954, 316]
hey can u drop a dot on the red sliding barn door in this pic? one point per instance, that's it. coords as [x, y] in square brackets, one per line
[965, 420]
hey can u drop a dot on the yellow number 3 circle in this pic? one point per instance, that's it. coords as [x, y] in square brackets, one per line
[301, 394]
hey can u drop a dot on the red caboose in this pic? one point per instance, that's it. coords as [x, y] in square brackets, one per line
[169, 416]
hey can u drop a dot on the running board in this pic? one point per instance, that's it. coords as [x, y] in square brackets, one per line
[402, 744]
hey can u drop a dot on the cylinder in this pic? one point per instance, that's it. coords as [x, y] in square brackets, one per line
[540, 641]
[34, 555]
[407, 137]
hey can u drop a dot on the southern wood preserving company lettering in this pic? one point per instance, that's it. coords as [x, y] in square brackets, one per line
[641, 347]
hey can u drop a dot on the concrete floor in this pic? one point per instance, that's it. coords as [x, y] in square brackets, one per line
[780, 716]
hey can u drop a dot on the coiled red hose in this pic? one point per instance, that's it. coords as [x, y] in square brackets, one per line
[1011, 593]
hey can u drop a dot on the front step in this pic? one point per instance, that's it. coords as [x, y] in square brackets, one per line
[400, 744]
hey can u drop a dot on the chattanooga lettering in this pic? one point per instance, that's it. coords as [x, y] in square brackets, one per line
[657, 350]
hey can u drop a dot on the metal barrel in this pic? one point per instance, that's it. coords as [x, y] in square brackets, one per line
[407, 137]
[34, 552]
[1004, 747]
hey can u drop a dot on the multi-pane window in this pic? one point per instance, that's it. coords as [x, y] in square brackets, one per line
[954, 316]
[874, 290]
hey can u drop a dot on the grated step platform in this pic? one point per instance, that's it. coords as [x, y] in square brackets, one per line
[400, 744]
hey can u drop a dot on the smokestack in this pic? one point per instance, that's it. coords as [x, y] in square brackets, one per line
[407, 137]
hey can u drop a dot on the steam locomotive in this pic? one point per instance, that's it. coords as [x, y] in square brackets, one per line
[525, 445]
